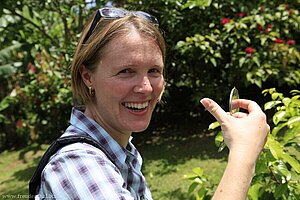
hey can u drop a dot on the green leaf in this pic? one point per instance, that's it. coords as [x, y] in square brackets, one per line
[258, 82]
[275, 148]
[263, 40]
[198, 180]
[277, 128]
[192, 187]
[279, 116]
[286, 101]
[26, 12]
[229, 27]
[30, 15]
[219, 137]
[247, 39]
[219, 141]
[271, 104]
[294, 92]
[7, 70]
[198, 171]
[210, 38]
[276, 95]
[256, 61]
[282, 168]
[196, 3]
[292, 161]
[7, 52]
[201, 193]
[280, 191]
[2, 118]
[262, 165]
[294, 121]
[190, 176]
[290, 136]
[213, 61]
[242, 61]
[254, 191]
[259, 20]
[213, 125]
[6, 102]
[204, 2]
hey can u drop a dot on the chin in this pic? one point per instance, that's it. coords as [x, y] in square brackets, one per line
[140, 128]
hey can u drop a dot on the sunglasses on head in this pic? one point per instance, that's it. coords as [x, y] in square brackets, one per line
[116, 13]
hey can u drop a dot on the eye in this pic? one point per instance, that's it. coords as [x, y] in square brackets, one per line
[155, 71]
[125, 72]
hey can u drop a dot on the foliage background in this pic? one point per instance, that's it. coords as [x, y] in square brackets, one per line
[249, 45]
[213, 45]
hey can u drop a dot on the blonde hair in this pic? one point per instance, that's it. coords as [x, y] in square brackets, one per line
[89, 53]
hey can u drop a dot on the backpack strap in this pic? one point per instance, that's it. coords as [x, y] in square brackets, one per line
[35, 180]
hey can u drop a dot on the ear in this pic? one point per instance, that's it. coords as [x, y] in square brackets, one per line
[86, 75]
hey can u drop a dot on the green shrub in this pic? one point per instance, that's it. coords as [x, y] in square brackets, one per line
[277, 173]
[210, 49]
[240, 43]
[35, 89]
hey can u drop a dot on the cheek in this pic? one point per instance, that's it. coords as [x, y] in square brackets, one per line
[159, 87]
[116, 89]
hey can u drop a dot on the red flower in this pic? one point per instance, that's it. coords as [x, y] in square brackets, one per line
[278, 40]
[249, 50]
[19, 124]
[269, 28]
[31, 68]
[241, 14]
[225, 21]
[260, 27]
[290, 42]
[291, 11]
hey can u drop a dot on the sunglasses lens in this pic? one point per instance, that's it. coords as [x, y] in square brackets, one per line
[113, 13]
[146, 16]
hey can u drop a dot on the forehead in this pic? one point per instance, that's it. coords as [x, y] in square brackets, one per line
[131, 50]
[131, 42]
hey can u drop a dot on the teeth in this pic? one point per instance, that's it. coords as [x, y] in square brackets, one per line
[137, 105]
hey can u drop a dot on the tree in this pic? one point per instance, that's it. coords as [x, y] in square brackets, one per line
[37, 41]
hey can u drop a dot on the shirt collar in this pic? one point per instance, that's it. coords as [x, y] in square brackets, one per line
[90, 127]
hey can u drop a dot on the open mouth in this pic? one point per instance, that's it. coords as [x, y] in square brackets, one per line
[136, 107]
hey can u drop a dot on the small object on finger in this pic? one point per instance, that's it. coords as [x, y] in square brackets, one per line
[234, 95]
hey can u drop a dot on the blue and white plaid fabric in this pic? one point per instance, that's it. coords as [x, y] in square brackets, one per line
[81, 171]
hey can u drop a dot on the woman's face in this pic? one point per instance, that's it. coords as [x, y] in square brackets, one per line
[128, 82]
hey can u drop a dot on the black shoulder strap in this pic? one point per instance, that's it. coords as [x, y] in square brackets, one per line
[35, 180]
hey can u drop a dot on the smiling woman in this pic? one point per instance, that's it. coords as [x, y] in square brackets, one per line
[117, 73]
[125, 83]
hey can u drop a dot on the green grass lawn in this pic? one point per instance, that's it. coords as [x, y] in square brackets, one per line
[16, 168]
[166, 159]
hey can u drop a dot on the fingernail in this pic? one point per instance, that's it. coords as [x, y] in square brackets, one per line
[205, 101]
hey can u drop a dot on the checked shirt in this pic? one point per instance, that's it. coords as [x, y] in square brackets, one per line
[81, 171]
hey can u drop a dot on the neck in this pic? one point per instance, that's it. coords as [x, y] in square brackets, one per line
[121, 137]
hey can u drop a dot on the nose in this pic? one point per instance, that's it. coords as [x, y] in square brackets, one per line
[144, 85]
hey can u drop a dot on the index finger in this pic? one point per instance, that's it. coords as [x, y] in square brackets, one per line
[214, 109]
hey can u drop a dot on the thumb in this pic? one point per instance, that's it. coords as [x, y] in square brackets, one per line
[214, 109]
